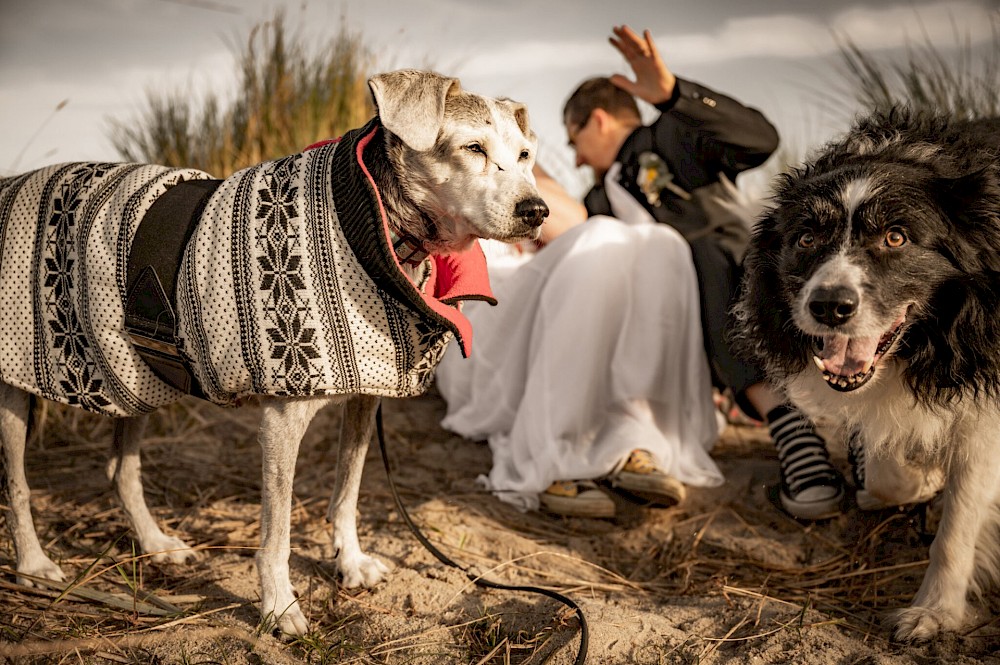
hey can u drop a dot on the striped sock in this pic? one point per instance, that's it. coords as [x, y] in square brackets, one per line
[856, 456]
[810, 485]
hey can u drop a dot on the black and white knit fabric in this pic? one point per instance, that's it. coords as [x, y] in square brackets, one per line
[66, 233]
[284, 288]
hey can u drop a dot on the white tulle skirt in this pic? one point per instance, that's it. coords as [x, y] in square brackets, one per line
[594, 350]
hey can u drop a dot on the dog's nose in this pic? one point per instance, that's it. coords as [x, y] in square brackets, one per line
[532, 211]
[833, 306]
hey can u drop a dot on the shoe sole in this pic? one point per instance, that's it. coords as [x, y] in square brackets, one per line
[579, 505]
[867, 502]
[649, 487]
[814, 510]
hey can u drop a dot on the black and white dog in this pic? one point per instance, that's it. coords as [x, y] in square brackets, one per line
[871, 296]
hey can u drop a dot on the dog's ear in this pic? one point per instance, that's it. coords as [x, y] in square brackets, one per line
[758, 326]
[969, 194]
[760, 265]
[520, 112]
[954, 353]
[971, 203]
[410, 104]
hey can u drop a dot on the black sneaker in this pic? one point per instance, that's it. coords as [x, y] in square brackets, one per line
[856, 457]
[811, 487]
[922, 490]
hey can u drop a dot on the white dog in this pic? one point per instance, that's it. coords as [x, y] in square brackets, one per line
[330, 276]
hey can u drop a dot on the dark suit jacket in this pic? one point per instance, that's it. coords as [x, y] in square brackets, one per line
[699, 135]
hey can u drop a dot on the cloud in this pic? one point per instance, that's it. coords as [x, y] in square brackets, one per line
[776, 36]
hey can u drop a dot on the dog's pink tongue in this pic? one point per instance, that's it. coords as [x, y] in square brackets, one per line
[846, 356]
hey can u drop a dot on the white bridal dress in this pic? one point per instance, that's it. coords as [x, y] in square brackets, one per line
[594, 350]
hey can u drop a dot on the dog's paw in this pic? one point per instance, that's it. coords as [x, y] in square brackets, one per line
[361, 570]
[41, 566]
[920, 624]
[289, 620]
[167, 549]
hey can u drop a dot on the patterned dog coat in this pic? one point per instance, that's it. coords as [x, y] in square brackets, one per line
[289, 285]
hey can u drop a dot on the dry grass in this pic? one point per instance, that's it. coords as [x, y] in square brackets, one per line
[962, 79]
[287, 95]
[202, 480]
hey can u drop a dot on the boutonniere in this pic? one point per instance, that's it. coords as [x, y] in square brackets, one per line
[654, 177]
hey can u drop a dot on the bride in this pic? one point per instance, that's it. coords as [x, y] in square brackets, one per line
[592, 366]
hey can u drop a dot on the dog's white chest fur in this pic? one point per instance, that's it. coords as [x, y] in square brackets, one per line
[885, 409]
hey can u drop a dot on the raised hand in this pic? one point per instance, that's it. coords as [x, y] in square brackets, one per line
[653, 83]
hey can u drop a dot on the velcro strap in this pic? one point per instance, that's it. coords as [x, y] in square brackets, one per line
[151, 283]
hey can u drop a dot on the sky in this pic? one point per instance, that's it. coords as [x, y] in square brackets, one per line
[68, 67]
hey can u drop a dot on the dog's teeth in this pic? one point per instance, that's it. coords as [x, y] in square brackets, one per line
[868, 365]
[819, 363]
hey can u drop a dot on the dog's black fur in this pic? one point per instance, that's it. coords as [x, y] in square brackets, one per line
[942, 183]
[872, 296]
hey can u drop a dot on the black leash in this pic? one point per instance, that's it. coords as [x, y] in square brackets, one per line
[581, 655]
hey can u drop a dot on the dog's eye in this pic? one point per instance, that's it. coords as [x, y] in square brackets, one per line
[895, 238]
[807, 240]
[476, 148]
[524, 155]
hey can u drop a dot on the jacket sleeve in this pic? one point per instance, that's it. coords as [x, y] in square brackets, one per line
[724, 134]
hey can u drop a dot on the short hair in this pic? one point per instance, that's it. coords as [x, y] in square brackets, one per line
[599, 93]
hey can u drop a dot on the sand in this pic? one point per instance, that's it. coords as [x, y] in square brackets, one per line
[723, 578]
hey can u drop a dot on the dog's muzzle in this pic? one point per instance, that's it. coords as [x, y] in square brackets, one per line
[833, 306]
[531, 212]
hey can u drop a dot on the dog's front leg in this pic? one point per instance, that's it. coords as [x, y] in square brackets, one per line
[283, 422]
[124, 469]
[942, 602]
[31, 559]
[355, 567]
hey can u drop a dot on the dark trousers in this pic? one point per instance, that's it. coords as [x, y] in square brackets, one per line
[718, 284]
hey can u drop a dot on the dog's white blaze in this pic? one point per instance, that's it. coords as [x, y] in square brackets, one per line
[854, 193]
[506, 151]
[840, 270]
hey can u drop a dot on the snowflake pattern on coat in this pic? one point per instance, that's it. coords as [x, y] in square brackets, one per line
[276, 292]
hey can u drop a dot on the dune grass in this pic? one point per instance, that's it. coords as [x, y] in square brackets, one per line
[963, 80]
[286, 96]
